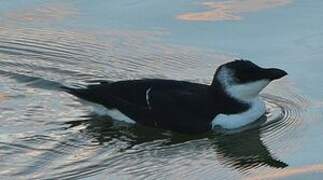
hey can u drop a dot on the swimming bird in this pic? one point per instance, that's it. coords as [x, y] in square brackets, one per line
[230, 101]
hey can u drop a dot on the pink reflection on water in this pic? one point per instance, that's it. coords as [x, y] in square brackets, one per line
[44, 12]
[3, 96]
[231, 10]
[317, 168]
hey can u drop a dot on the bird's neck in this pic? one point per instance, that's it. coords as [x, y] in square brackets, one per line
[232, 105]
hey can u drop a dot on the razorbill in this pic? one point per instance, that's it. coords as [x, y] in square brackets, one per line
[230, 101]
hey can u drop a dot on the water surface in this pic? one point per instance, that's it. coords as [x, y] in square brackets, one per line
[46, 133]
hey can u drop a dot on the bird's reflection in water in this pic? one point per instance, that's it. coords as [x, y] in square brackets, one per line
[104, 130]
[240, 150]
[245, 150]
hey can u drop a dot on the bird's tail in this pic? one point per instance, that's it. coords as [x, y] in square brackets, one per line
[87, 91]
[78, 92]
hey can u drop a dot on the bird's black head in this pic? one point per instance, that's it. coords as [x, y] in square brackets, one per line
[245, 71]
[245, 79]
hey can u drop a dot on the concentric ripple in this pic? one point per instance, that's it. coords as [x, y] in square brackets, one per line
[284, 116]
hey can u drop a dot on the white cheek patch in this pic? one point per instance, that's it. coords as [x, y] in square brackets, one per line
[248, 90]
[225, 76]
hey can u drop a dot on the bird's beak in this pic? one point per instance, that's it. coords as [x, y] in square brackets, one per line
[274, 73]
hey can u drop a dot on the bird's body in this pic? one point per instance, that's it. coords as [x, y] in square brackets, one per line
[169, 104]
[178, 105]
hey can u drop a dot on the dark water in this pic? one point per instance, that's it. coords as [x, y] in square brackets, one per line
[48, 134]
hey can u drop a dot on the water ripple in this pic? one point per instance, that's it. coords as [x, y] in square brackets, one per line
[47, 130]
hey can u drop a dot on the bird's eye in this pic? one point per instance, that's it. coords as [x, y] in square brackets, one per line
[245, 75]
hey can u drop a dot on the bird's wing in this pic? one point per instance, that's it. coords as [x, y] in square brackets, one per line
[192, 100]
[147, 93]
[182, 109]
[175, 105]
[162, 94]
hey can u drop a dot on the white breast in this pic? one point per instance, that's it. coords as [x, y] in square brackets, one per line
[234, 121]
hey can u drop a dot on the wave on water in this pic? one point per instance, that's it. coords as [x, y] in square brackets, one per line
[46, 130]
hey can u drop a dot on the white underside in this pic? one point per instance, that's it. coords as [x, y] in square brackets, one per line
[241, 119]
[113, 113]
